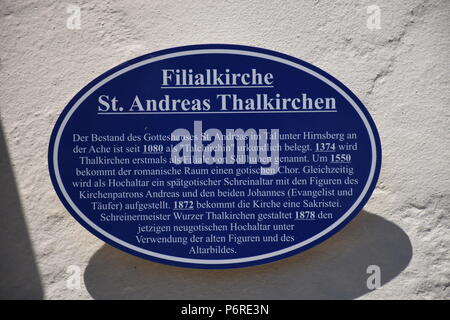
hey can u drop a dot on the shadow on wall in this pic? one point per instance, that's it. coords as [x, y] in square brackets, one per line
[335, 269]
[19, 277]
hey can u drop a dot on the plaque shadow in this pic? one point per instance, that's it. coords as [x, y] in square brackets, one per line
[19, 276]
[335, 269]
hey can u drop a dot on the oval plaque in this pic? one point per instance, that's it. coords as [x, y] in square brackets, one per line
[214, 156]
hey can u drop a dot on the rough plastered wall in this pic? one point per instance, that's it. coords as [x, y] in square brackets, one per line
[400, 71]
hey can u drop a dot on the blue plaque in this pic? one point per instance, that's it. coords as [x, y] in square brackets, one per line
[214, 156]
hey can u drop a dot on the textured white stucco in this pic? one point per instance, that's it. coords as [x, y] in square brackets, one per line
[401, 72]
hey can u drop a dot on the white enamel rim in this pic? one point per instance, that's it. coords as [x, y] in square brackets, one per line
[218, 261]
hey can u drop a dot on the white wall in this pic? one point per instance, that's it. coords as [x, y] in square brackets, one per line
[401, 72]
